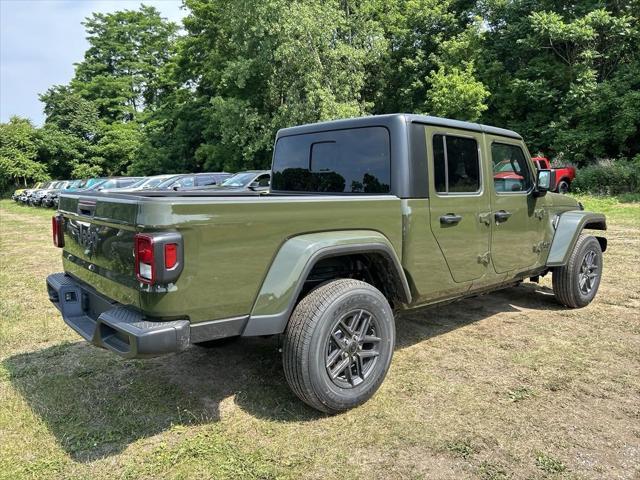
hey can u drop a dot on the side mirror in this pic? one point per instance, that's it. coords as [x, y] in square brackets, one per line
[546, 182]
[254, 185]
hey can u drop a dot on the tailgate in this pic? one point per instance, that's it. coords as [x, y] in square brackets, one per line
[98, 248]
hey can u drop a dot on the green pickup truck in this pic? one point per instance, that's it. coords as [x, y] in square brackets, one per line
[365, 218]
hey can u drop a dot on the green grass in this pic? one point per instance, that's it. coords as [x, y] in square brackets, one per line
[621, 209]
[508, 385]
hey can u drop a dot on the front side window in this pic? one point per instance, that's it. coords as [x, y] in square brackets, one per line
[510, 169]
[264, 180]
[456, 165]
[355, 160]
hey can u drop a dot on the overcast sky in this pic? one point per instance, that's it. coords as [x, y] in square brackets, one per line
[40, 40]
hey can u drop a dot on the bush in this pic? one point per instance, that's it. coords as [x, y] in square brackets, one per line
[609, 177]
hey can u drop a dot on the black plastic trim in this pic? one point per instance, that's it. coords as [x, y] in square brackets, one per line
[258, 325]
[112, 326]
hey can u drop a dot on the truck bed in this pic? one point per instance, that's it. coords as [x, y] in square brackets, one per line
[230, 239]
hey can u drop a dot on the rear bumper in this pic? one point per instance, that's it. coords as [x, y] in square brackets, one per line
[111, 325]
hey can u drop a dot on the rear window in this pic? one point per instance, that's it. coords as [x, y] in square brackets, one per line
[357, 160]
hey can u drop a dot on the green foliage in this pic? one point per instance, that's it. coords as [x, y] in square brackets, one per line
[148, 99]
[120, 72]
[567, 77]
[549, 464]
[456, 94]
[18, 149]
[609, 177]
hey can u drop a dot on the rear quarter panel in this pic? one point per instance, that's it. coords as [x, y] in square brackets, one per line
[230, 243]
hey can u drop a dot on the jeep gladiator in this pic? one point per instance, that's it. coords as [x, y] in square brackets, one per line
[365, 218]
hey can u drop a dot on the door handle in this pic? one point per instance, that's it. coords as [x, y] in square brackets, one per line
[450, 219]
[502, 216]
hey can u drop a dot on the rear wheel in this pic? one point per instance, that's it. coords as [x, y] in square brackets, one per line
[563, 186]
[338, 345]
[576, 283]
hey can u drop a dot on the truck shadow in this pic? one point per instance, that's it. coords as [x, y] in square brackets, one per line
[96, 404]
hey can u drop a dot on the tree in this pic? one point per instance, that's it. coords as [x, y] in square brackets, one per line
[564, 75]
[120, 72]
[18, 153]
[456, 94]
[247, 69]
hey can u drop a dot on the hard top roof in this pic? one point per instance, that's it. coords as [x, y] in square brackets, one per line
[394, 118]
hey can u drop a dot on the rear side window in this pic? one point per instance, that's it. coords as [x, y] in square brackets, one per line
[343, 161]
[205, 180]
[456, 165]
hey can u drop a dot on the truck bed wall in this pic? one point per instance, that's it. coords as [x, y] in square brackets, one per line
[230, 243]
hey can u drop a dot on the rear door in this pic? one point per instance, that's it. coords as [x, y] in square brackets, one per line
[460, 202]
[517, 218]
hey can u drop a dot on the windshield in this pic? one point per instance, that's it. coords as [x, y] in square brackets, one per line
[239, 180]
[169, 182]
[94, 181]
[152, 182]
[97, 184]
[139, 183]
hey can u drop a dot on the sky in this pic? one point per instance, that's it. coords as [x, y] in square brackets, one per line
[40, 40]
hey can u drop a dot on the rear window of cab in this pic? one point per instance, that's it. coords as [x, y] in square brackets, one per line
[355, 161]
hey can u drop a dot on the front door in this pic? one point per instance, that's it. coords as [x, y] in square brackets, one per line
[517, 220]
[459, 202]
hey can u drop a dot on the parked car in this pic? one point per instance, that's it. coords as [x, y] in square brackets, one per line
[37, 196]
[25, 196]
[564, 175]
[18, 192]
[50, 199]
[147, 183]
[188, 180]
[113, 183]
[365, 217]
[92, 181]
[253, 180]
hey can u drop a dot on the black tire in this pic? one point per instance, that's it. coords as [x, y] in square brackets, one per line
[219, 342]
[350, 322]
[563, 186]
[576, 283]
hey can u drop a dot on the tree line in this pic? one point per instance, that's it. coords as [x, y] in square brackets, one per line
[153, 97]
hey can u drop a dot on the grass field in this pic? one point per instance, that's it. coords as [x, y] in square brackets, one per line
[508, 385]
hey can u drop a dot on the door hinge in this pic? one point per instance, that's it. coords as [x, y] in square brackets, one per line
[484, 258]
[539, 213]
[540, 246]
[485, 218]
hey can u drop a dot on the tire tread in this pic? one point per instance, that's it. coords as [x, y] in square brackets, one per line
[299, 332]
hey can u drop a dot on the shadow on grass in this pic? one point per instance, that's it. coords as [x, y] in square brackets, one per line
[96, 404]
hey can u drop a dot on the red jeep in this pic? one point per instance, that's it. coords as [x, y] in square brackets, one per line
[564, 175]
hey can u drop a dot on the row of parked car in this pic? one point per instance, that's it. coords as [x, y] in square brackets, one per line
[46, 194]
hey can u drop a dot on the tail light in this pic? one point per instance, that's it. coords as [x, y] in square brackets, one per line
[145, 259]
[170, 255]
[57, 224]
[158, 257]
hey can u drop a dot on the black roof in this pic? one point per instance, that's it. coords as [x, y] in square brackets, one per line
[394, 118]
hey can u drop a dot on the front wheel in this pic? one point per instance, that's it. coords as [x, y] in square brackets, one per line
[576, 283]
[338, 345]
